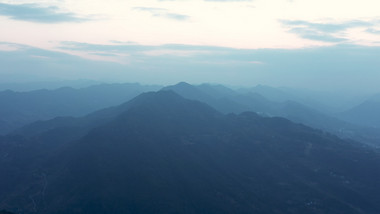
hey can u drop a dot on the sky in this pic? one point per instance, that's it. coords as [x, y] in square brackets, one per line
[315, 44]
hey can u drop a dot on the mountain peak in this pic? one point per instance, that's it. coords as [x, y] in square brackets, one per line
[183, 84]
[162, 94]
[179, 86]
[167, 102]
[188, 91]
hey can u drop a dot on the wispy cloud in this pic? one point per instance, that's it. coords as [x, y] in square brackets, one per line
[326, 32]
[316, 35]
[161, 12]
[150, 9]
[214, 0]
[373, 31]
[36, 13]
[328, 27]
[175, 16]
[7, 46]
[132, 49]
[228, 0]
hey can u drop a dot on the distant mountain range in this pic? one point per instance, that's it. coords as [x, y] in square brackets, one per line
[361, 123]
[327, 102]
[226, 100]
[50, 85]
[20, 108]
[366, 113]
[162, 153]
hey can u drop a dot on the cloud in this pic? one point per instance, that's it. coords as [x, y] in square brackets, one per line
[7, 46]
[138, 51]
[150, 9]
[175, 16]
[36, 13]
[316, 35]
[326, 32]
[327, 27]
[229, 0]
[214, 0]
[116, 48]
[161, 12]
[129, 46]
[373, 31]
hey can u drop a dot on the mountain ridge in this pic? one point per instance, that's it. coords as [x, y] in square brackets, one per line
[21, 108]
[167, 154]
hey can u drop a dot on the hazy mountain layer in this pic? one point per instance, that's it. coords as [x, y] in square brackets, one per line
[20, 108]
[226, 101]
[366, 113]
[161, 153]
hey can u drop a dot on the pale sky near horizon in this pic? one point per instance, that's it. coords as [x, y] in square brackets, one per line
[135, 36]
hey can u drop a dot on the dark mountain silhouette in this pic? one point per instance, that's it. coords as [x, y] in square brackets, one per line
[161, 153]
[20, 108]
[5, 212]
[227, 101]
[366, 113]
